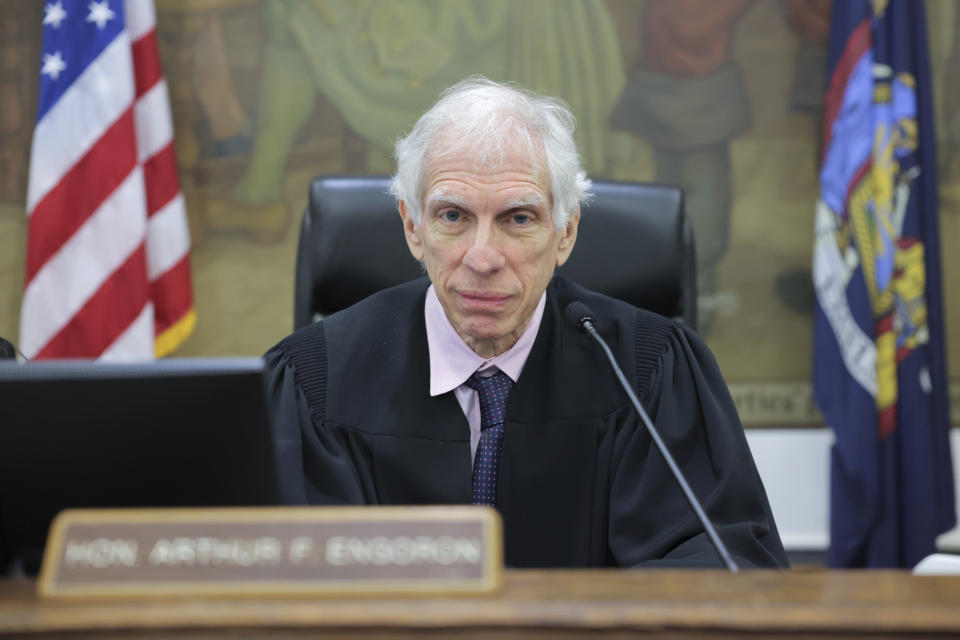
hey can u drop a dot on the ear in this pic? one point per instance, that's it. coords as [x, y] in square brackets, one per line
[568, 238]
[411, 231]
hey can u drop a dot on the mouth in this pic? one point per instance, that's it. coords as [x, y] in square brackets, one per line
[483, 301]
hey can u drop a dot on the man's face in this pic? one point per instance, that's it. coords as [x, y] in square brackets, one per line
[487, 239]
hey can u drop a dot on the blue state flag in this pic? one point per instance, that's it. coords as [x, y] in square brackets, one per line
[879, 360]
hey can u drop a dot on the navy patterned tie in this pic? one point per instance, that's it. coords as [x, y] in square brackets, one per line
[493, 392]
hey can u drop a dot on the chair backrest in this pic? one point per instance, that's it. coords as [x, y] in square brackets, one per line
[634, 244]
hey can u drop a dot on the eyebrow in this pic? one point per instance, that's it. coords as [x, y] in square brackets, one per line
[530, 200]
[443, 197]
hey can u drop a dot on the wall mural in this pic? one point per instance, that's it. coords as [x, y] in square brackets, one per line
[722, 97]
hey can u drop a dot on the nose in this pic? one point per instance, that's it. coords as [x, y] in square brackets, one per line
[484, 254]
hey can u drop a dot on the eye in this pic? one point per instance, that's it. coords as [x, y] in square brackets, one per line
[521, 218]
[451, 215]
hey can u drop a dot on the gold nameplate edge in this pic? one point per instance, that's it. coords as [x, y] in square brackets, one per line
[488, 517]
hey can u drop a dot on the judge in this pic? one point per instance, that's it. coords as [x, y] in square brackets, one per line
[469, 385]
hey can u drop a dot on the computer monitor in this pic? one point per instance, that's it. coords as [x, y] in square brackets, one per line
[170, 433]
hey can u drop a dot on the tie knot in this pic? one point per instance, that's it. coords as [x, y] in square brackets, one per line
[493, 391]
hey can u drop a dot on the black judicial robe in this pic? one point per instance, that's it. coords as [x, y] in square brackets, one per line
[581, 483]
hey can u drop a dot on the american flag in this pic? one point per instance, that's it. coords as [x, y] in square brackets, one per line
[108, 248]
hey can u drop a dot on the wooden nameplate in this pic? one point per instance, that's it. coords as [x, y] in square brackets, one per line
[329, 551]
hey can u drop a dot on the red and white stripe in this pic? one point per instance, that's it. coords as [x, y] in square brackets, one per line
[108, 247]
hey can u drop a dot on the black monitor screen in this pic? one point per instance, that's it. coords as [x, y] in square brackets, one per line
[161, 434]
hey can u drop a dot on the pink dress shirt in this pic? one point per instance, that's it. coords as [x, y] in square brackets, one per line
[452, 361]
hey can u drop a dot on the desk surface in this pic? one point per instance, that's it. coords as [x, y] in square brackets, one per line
[537, 604]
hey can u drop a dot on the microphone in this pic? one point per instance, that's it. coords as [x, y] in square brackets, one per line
[580, 317]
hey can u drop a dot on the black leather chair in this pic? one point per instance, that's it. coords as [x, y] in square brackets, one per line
[635, 243]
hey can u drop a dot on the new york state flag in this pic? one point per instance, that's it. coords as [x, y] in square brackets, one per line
[879, 361]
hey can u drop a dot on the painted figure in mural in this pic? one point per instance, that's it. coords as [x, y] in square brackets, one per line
[382, 63]
[485, 392]
[810, 21]
[688, 98]
[228, 122]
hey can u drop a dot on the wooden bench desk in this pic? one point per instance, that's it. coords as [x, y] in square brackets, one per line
[534, 604]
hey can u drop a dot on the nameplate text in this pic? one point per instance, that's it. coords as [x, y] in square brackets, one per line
[334, 551]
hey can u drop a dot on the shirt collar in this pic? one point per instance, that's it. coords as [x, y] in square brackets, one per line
[452, 361]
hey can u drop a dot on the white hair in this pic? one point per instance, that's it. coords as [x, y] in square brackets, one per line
[487, 119]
